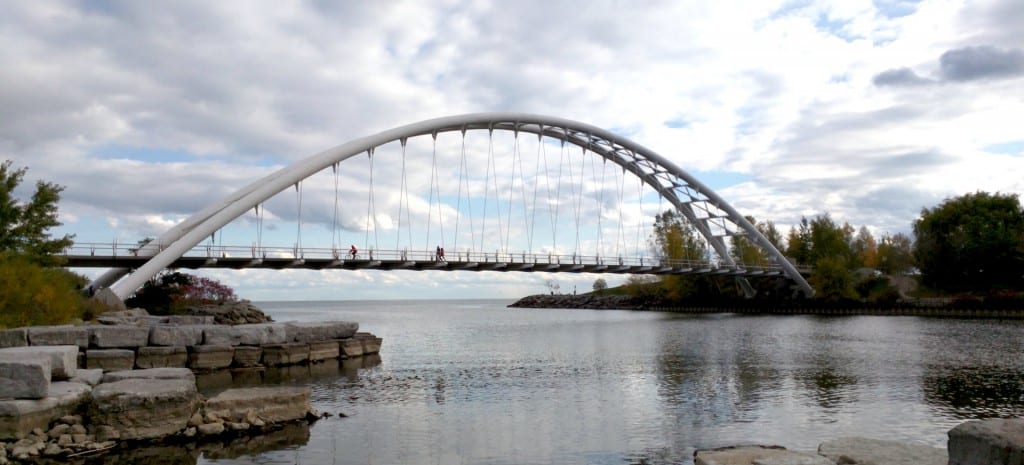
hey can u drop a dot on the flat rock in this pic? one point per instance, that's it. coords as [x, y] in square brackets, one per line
[757, 455]
[110, 359]
[211, 357]
[91, 377]
[220, 335]
[63, 359]
[190, 320]
[161, 357]
[371, 343]
[17, 337]
[58, 336]
[987, 442]
[247, 356]
[319, 351]
[270, 404]
[150, 373]
[25, 378]
[181, 336]
[351, 347]
[320, 330]
[22, 416]
[880, 452]
[144, 408]
[285, 354]
[118, 336]
[261, 334]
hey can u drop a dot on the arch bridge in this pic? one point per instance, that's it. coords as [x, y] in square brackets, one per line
[571, 167]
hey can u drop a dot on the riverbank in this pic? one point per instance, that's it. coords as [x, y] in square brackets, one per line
[809, 307]
[70, 391]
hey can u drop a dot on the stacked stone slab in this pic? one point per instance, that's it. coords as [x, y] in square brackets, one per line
[139, 405]
[135, 340]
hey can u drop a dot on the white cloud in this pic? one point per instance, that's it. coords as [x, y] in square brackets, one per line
[148, 112]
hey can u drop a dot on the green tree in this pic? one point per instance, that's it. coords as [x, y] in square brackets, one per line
[974, 242]
[865, 248]
[744, 251]
[895, 254]
[600, 285]
[675, 241]
[24, 226]
[798, 242]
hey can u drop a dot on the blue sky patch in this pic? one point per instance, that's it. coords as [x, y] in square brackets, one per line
[1013, 147]
[677, 123]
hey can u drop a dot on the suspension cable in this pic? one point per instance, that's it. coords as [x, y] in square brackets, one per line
[497, 192]
[403, 195]
[487, 190]
[620, 234]
[334, 221]
[536, 185]
[298, 233]
[458, 202]
[433, 176]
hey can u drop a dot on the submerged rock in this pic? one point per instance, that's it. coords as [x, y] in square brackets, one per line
[757, 455]
[987, 442]
[880, 452]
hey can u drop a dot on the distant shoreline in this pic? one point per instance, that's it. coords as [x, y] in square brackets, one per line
[622, 302]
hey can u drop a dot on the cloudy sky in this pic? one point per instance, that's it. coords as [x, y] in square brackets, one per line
[147, 111]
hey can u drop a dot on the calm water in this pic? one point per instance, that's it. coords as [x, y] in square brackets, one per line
[473, 382]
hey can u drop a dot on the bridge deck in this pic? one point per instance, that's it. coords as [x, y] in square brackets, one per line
[278, 263]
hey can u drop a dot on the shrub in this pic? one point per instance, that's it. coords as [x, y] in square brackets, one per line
[37, 295]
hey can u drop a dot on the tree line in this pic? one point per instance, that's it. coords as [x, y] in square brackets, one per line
[970, 244]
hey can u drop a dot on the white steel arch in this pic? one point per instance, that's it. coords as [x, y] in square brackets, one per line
[710, 214]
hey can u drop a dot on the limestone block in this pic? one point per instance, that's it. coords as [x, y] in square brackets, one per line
[89, 377]
[262, 334]
[161, 357]
[248, 356]
[22, 416]
[59, 336]
[285, 354]
[987, 442]
[25, 378]
[63, 359]
[270, 404]
[144, 408]
[17, 337]
[863, 450]
[320, 330]
[210, 357]
[182, 336]
[757, 455]
[118, 336]
[371, 343]
[150, 373]
[319, 351]
[190, 319]
[220, 335]
[110, 359]
[351, 347]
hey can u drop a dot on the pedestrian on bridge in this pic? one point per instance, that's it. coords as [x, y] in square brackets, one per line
[352, 251]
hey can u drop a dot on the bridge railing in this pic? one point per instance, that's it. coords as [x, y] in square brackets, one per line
[257, 253]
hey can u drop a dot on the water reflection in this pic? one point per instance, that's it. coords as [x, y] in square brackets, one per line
[980, 392]
[287, 437]
[329, 373]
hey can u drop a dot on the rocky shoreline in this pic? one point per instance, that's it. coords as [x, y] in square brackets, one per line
[73, 391]
[979, 442]
[623, 302]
